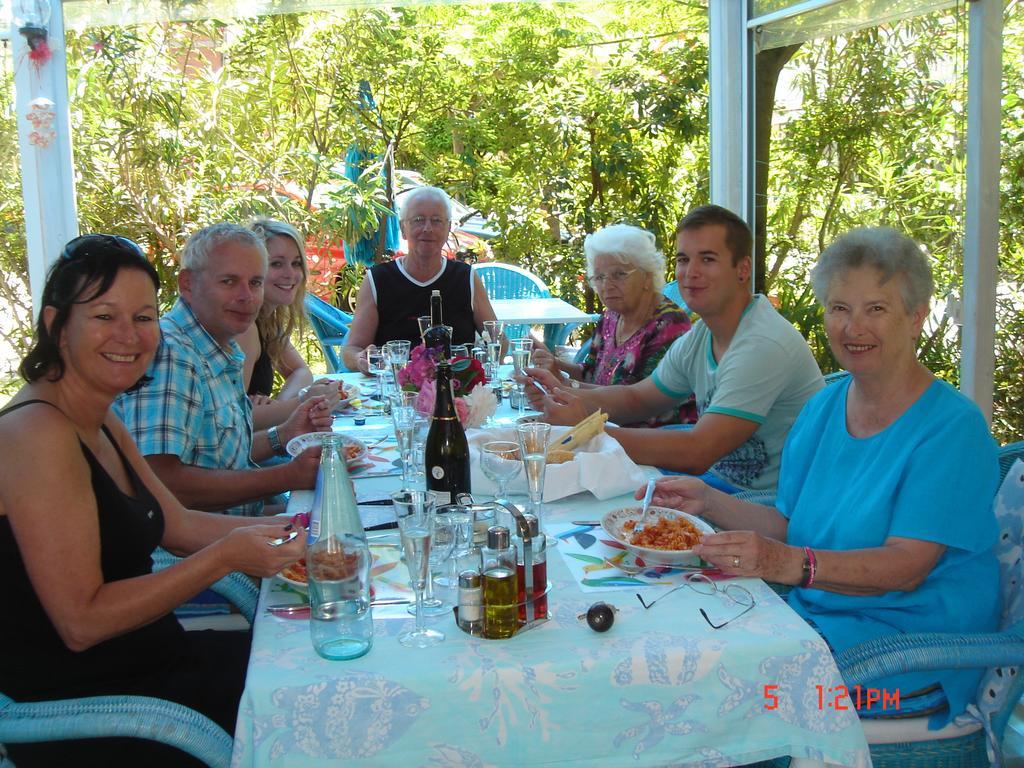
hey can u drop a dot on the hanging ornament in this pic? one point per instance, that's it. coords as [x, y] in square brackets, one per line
[32, 18]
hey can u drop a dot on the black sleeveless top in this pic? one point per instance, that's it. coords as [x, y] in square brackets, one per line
[400, 301]
[262, 380]
[34, 662]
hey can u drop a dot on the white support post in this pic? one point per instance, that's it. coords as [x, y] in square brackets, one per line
[981, 236]
[730, 71]
[44, 139]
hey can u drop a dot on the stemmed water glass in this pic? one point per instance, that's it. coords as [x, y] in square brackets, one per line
[424, 323]
[397, 353]
[499, 460]
[377, 366]
[533, 444]
[415, 513]
[522, 349]
[403, 416]
[443, 538]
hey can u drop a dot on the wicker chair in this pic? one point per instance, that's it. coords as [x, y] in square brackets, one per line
[142, 717]
[907, 742]
[330, 325]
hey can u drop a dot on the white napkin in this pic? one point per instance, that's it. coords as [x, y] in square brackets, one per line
[601, 467]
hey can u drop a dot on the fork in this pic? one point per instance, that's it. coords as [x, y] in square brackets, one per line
[647, 506]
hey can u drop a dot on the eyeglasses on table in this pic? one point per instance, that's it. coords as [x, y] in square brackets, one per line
[702, 585]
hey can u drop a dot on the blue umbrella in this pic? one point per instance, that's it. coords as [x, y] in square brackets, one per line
[364, 251]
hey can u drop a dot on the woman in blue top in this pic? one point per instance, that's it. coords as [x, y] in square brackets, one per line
[883, 519]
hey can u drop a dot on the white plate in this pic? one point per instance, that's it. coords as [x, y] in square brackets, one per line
[316, 439]
[298, 586]
[349, 392]
[614, 521]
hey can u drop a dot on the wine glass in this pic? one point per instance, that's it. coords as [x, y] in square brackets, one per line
[419, 444]
[499, 460]
[533, 444]
[443, 538]
[415, 512]
[377, 366]
[403, 416]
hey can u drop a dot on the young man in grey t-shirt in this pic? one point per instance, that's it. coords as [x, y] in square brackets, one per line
[750, 369]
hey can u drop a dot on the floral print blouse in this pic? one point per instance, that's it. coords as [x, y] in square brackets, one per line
[637, 357]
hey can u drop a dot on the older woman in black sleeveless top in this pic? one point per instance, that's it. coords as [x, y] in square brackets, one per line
[393, 295]
[81, 513]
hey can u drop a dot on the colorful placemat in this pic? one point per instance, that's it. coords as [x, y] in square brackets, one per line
[592, 556]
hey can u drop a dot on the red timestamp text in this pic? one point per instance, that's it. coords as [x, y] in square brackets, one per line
[841, 698]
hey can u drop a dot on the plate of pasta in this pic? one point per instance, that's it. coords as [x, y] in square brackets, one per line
[355, 450]
[668, 536]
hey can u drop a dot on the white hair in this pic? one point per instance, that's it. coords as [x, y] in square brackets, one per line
[630, 245]
[435, 193]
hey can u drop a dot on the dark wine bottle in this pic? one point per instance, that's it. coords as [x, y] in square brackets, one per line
[437, 335]
[447, 451]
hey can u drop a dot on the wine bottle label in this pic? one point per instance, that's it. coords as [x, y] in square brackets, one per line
[442, 498]
[437, 472]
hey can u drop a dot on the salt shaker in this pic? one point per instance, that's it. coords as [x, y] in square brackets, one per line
[471, 602]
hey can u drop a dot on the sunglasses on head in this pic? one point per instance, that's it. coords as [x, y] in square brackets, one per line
[81, 246]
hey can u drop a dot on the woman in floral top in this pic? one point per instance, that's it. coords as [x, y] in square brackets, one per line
[639, 323]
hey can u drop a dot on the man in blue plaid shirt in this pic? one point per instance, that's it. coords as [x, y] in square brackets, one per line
[193, 420]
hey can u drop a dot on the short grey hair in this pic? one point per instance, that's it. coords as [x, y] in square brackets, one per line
[197, 251]
[889, 251]
[629, 245]
[432, 192]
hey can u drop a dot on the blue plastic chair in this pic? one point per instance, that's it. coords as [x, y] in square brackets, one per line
[330, 325]
[142, 717]
[671, 291]
[507, 281]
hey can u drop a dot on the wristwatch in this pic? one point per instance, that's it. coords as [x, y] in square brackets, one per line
[275, 442]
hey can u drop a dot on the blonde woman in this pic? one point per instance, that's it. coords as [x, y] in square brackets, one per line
[267, 344]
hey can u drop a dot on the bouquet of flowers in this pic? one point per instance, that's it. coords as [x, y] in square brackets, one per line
[473, 403]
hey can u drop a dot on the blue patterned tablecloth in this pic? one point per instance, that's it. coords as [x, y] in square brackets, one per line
[661, 688]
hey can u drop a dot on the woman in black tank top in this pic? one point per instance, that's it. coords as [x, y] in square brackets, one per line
[81, 513]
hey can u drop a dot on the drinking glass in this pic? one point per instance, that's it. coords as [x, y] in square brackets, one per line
[443, 538]
[460, 350]
[424, 323]
[415, 513]
[419, 444]
[493, 329]
[533, 444]
[403, 416]
[377, 366]
[397, 353]
[522, 349]
[500, 461]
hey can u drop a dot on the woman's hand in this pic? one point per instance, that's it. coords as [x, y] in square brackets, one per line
[690, 494]
[542, 358]
[258, 400]
[745, 553]
[328, 389]
[249, 551]
[547, 380]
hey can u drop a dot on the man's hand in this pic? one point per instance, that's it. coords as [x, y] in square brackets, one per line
[363, 362]
[564, 407]
[549, 381]
[260, 400]
[314, 415]
[303, 469]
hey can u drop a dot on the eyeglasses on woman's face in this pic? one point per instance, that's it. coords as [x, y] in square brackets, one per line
[84, 244]
[736, 595]
[618, 277]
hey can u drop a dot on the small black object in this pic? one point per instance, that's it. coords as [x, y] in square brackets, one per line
[600, 617]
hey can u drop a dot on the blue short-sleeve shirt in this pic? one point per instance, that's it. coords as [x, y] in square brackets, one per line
[930, 475]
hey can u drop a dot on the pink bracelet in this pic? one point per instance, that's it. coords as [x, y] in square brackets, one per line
[810, 567]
